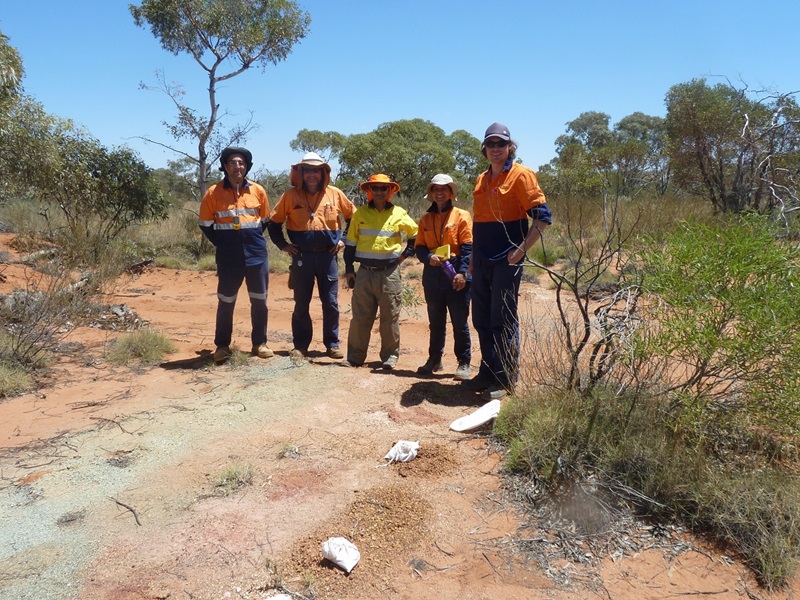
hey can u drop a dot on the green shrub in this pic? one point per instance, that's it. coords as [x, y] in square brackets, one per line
[410, 298]
[144, 345]
[233, 478]
[14, 379]
[739, 494]
[207, 262]
[728, 322]
[279, 261]
[679, 391]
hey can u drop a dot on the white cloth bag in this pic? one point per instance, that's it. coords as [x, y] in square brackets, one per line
[341, 552]
[402, 451]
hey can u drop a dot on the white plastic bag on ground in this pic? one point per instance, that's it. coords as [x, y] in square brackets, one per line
[402, 451]
[341, 552]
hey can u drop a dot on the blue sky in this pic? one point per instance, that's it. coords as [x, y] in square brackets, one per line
[460, 64]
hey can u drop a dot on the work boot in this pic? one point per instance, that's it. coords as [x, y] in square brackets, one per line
[335, 352]
[494, 392]
[262, 351]
[221, 354]
[478, 383]
[390, 363]
[430, 367]
[463, 372]
[297, 354]
[350, 363]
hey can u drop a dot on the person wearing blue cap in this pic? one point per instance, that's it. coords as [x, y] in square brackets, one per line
[509, 215]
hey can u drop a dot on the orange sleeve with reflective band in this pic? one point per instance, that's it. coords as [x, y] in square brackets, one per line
[453, 227]
[507, 197]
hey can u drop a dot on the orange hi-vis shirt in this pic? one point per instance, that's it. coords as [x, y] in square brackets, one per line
[453, 227]
[234, 221]
[312, 220]
[507, 197]
[501, 209]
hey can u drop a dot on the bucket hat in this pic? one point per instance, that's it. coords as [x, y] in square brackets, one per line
[312, 159]
[244, 152]
[442, 179]
[380, 178]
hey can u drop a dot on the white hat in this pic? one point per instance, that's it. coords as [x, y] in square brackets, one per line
[442, 179]
[312, 159]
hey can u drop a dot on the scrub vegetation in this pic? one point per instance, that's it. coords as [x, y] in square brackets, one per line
[667, 381]
[669, 378]
[144, 346]
[233, 478]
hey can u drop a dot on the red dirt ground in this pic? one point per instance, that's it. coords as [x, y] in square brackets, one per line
[107, 477]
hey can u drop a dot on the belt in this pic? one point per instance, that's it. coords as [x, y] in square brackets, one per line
[376, 269]
[317, 249]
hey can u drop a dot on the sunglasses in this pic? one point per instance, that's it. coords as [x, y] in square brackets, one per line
[500, 144]
[379, 188]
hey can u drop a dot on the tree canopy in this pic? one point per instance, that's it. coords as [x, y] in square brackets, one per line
[11, 70]
[732, 148]
[226, 38]
[594, 159]
[410, 151]
[99, 191]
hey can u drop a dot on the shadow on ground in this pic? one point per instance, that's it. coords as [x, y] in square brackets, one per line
[444, 392]
[203, 359]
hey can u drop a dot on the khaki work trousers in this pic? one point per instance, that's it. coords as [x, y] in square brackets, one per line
[375, 290]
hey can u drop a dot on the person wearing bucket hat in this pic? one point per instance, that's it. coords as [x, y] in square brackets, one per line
[444, 245]
[375, 240]
[509, 215]
[233, 216]
[313, 211]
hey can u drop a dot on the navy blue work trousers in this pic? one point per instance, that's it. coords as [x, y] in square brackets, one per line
[229, 280]
[321, 268]
[441, 300]
[495, 296]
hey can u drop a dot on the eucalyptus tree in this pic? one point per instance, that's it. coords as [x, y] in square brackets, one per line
[225, 38]
[328, 144]
[410, 151]
[11, 71]
[595, 159]
[737, 148]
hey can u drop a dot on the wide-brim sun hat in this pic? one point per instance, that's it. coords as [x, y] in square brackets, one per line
[380, 178]
[243, 152]
[312, 159]
[442, 179]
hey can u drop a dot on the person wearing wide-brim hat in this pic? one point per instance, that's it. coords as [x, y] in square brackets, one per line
[509, 215]
[375, 240]
[233, 216]
[444, 246]
[313, 211]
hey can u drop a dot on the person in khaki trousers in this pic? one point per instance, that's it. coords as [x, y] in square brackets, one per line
[375, 240]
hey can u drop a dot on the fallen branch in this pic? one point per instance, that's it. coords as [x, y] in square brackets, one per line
[34, 256]
[135, 516]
